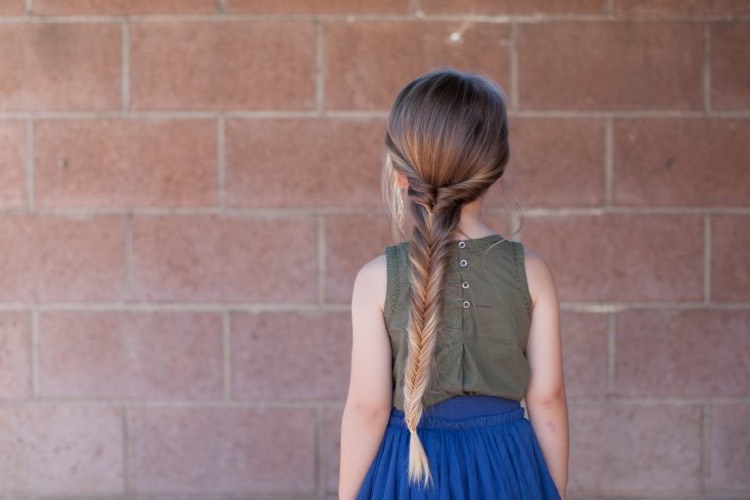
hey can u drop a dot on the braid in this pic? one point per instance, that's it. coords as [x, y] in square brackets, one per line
[435, 224]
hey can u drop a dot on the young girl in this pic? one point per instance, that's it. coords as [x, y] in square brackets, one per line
[453, 328]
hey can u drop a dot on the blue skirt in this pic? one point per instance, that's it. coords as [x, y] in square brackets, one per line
[479, 447]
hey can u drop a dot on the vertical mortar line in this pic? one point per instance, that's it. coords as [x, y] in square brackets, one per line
[514, 65]
[610, 7]
[221, 6]
[707, 67]
[125, 55]
[705, 467]
[30, 181]
[227, 354]
[321, 259]
[34, 353]
[221, 162]
[29, 7]
[611, 354]
[707, 258]
[319, 68]
[608, 161]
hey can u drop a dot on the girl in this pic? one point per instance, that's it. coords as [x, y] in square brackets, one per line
[453, 328]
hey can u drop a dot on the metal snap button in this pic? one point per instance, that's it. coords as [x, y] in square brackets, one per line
[461, 244]
[465, 284]
[464, 263]
[466, 304]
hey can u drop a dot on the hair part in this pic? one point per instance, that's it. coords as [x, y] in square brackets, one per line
[447, 134]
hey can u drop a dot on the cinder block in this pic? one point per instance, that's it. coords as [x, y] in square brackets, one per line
[730, 51]
[680, 8]
[60, 67]
[125, 163]
[12, 164]
[332, 7]
[683, 353]
[367, 63]
[60, 450]
[621, 257]
[509, 7]
[351, 242]
[729, 448]
[224, 451]
[283, 356]
[730, 267]
[610, 66]
[554, 162]
[60, 258]
[634, 450]
[224, 258]
[138, 355]
[15, 355]
[309, 163]
[687, 163]
[585, 353]
[122, 7]
[223, 65]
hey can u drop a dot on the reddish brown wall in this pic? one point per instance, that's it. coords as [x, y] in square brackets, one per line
[187, 188]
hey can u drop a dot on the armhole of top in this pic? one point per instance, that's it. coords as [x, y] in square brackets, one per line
[523, 282]
[391, 286]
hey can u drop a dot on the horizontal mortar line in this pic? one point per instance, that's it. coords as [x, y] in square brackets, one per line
[136, 403]
[156, 114]
[347, 114]
[331, 404]
[607, 307]
[178, 307]
[602, 17]
[659, 400]
[623, 114]
[354, 114]
[227, 212]
[565, 211]
[420, 16]
[597, 307]
[364, 211]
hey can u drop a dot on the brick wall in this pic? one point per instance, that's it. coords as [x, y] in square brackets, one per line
[187, 188]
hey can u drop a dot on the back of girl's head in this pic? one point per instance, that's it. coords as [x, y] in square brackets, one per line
[447, 135]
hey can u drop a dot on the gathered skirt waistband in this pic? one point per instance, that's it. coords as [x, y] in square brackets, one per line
[464, 412]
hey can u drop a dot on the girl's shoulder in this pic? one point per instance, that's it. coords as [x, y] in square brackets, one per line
[372, 279]
[538, 274]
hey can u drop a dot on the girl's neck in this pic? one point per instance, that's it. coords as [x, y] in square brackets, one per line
[471, 226]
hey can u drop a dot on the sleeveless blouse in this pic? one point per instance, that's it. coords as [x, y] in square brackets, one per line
[481, 341]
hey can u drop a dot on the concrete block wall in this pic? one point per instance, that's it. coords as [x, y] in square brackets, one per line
[187, 188]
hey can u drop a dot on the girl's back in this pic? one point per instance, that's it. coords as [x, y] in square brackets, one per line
[448, 334]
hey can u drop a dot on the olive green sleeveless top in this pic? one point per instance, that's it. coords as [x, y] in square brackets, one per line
[487, 314]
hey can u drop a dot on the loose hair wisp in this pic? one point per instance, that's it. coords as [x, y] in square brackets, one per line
[447, 134]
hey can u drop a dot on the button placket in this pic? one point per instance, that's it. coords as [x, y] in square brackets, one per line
[464, 284]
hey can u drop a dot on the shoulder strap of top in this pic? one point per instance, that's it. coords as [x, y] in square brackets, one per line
[520, 272]
[397, 273]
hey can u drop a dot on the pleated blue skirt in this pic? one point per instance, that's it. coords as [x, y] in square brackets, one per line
[479, 447]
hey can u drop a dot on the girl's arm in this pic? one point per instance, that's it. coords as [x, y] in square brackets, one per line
[368, 404]
[545, 397]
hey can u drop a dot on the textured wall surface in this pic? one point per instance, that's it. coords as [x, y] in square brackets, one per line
[187, 188]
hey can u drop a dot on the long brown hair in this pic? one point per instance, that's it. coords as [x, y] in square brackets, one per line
[447, 134]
